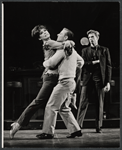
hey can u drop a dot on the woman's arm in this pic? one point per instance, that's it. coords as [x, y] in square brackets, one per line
[59, 45]
[54, 44]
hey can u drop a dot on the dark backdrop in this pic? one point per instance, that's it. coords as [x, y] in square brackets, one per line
[22, 51]
[23, 54]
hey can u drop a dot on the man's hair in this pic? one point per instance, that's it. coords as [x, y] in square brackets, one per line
[69, 33]
[93, 31]
[36, 30]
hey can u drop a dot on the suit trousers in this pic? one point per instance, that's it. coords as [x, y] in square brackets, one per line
[84, 101]
[58, 102]
[49, 82]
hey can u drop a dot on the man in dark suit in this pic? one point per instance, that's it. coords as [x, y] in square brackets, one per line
[96, 74]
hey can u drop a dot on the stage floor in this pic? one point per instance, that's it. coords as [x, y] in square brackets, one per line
[27, 139]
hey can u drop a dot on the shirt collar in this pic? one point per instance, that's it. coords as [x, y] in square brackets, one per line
[96, 47]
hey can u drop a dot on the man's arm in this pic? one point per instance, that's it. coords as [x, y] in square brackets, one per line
[80, 61]
[54, 60]
[108, 66]
[108, 71]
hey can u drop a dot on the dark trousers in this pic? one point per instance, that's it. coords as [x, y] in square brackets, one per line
[49, 82]
[84, 101]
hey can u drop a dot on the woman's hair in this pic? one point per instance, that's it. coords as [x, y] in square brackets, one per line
[69, 33]
[36, 30]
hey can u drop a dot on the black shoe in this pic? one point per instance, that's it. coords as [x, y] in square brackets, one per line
[74, 134]
[45, 136]
[98, 130]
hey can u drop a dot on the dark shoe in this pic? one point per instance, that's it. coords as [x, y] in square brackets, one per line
[74, 134]
[45, 136]
[98, 130]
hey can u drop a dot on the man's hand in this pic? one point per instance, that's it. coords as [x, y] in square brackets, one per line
[95, 61]
[68, 51]
[69, 43]
[107, 87]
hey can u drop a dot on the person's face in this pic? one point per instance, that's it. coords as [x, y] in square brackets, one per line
[62, 36]
[93, 39]
[44, 34]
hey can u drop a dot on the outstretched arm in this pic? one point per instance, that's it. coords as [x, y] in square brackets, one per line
[59, 45]
[54, 44]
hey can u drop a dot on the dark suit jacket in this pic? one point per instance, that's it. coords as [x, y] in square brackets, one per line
[105, 64]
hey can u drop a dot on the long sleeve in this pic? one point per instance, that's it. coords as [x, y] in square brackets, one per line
[59, 45]
[54, 44]
[80, 61]
[54, 60]
[108, 67]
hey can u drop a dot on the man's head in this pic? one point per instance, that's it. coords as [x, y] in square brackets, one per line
[40, 32]
[93, 37]
[64, 35]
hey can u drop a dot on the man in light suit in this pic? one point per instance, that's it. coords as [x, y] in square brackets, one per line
[96, 74]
